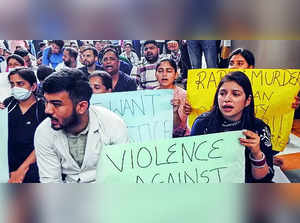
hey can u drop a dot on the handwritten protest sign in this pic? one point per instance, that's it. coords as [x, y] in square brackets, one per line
[273, 91]
[211, 158]
[3, 146]
[148, 114]
[4, 86]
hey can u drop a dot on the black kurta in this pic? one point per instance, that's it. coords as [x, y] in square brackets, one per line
[21, 129]
[200, 127]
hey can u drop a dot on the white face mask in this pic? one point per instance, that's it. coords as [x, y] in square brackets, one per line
[20, 94]
[13, 68]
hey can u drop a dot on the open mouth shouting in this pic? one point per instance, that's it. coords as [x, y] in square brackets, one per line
[227, 108]
[149, 55]
[54, 122]
[108, 67]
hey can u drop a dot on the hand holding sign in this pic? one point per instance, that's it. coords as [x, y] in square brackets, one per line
[187, 108]
[252, 141]
[211, 158]
[274, 91]
[2, 106]
[147, 114]
[296, 103]
[176, 104]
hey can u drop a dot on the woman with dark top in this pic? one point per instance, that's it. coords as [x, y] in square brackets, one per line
[25, 113]
[233, 109]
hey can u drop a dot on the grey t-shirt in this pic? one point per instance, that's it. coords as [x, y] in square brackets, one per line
[77, 145]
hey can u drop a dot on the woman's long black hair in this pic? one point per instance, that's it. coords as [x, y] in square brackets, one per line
[248, 117]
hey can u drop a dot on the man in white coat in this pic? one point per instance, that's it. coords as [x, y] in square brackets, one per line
[68, 143]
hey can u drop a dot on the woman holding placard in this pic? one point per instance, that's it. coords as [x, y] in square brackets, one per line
[233, 109]
[166, 74]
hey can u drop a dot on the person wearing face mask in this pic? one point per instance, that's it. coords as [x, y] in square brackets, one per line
[13, 61]
[25, 113]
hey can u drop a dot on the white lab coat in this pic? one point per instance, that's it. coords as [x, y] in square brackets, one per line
[52, 150]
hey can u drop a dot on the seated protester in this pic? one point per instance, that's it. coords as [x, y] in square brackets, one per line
[233, 109]
[99, 44]
[74, 45]
[130, 54]
[80, 56]
[53, 55]
[14, 61]
[28, 58]
[89, 59]
[69, 59]
[69, 142]
[145, 72]
[25, 113]
[166, 73]
[43, 71]
[120, 80]
[125, 66]
[241, 59]
[100, 82]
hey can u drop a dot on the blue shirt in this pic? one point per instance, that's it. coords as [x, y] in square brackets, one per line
[51, 59]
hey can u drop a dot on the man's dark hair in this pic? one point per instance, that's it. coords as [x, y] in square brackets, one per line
[109, 48]
[21, 52]
[73, 53]
[93, 49]
[151, 42]
[71, 80]
[17, 58]
[116, 48]
[25, 73]
[105, 77]
[42, 44]
[59, 43]
[44, 71]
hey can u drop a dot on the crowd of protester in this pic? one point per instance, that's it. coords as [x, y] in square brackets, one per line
[56, 78]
